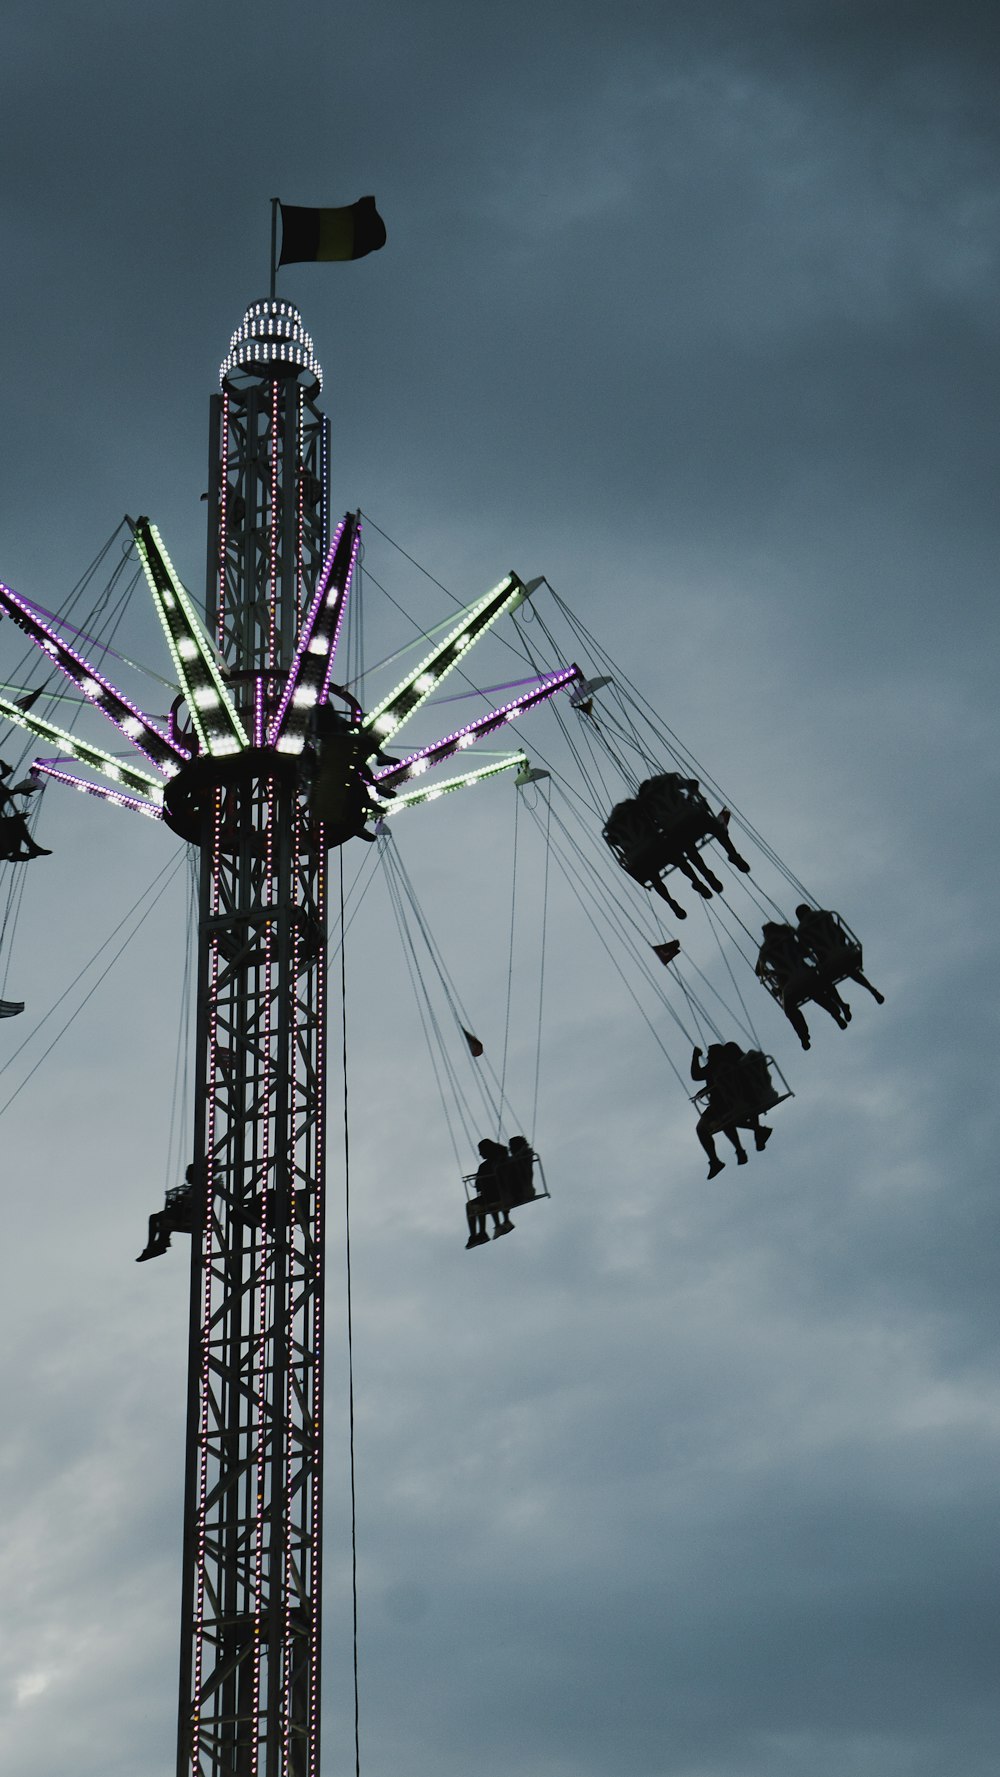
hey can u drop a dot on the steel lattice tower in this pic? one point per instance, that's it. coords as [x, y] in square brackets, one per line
[263, 774]
[250, 1650]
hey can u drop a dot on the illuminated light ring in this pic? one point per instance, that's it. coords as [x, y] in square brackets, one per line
[137, 804]
[472, 731]
[316, 611]
[98, 760]
[197, 669]
[271, 333]
[410, 798]
[393, 711]
[98, 690]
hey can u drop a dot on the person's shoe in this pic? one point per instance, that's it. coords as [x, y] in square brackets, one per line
[505, 1228]
[155, 1250]
[477, 1240]
[714, 883]
[701, 889]
[806, 1044]
[879, 998]
[715, 1167]
[741, 1157]
[741, 864]
[761, 1137]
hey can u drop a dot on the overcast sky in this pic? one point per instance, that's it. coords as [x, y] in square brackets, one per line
[693, 309]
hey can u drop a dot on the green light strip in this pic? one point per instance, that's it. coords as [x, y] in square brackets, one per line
[213, 712]
[409, 798]
[105, 763]
[414, 690]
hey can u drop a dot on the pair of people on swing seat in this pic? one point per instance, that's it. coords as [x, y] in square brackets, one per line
[803, 963]
[503, 1180]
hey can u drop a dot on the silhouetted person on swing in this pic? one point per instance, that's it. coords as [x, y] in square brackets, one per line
[786, 970]
[739, 1089]
[518, 1169]
[176, 1217]
[659, 829]
[678, 805]
[16, 843]
[836, 954]
[487, 1199]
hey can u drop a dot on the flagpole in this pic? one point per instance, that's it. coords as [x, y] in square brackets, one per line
[274, 243]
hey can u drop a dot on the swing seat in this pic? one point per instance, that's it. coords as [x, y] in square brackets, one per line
[510, 1193]
[794, 990]
[838, 960]
[749, 1094]
[11, 1008]
[644, 848]
[179, 1208]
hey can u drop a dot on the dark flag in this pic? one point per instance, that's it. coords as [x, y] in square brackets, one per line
[475, 1046]
[348, 233]
[667, 952]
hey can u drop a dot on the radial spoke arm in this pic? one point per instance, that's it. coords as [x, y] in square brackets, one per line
[132, 776]
[213, 711]
[134, 724]
[136, 804]
[474, 622]
[410, 798]
[417, 763]
[309, 677]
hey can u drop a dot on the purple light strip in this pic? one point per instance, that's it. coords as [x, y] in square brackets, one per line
[463, 737]
[137, 804]
[102, 647]
[306, 633]
[340, 610]
[159, 750]
[259, 700]
[478, 691]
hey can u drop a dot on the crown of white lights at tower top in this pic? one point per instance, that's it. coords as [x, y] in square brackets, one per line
[271, 338]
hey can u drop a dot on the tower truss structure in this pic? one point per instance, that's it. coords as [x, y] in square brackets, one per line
[261, 772]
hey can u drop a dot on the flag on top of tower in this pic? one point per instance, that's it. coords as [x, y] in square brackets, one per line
[348, 233]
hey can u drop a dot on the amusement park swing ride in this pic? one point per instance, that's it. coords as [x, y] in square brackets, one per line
[267, 762]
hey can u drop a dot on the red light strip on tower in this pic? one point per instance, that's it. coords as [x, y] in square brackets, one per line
[134, 723]
[309, 677]
[473, 731]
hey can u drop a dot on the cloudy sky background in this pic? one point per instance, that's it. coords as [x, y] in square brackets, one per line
[698, 318]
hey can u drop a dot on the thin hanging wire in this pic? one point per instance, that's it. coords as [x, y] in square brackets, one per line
[173, 867]
[510, 976]
[541, 971]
